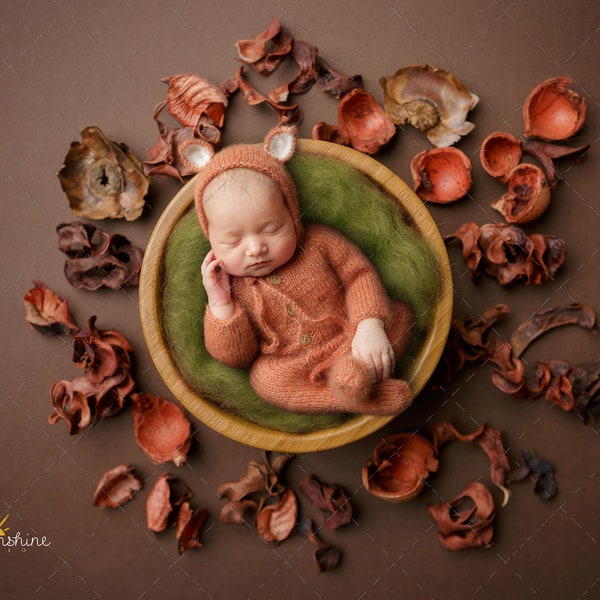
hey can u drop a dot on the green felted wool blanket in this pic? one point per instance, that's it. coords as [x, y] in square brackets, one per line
[332, 193]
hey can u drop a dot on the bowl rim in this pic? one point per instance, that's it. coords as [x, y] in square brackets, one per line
[248, 432]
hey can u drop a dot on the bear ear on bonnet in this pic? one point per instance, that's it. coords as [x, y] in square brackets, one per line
[280, 143]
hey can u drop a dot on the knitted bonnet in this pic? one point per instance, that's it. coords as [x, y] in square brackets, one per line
[278, 147]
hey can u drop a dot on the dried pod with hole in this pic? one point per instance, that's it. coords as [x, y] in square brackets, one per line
[552, 111]
[367, 124]
[441, 175]
[527, 197]
[430, 99]
[500, 153]
[399, 467]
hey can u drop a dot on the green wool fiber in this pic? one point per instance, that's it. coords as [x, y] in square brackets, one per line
[331, 193]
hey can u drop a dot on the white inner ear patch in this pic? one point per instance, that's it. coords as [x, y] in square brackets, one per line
[197, 154]
[281, 146]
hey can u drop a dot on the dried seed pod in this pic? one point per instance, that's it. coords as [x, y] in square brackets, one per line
[330, 133]
[441, 175]
[46, 312]
[102, 179]
[367, 124]
[116, 487]
[552, 111]
[276, 521]
[161, 428]
[500, 153]
[430, 99]
[400, 464]
[528, 195]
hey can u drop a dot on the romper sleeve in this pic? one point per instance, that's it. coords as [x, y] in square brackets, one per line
[230, 341]
[364, 291]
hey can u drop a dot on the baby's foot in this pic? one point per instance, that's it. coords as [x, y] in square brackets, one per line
[390, 397]
[351, 382]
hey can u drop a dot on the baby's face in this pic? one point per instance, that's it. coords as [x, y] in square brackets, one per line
[250, 228]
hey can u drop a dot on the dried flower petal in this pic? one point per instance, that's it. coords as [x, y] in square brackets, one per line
[489, 440]
[116, 487]
[71, 403]
[330, 81]
[102, 179]
[276, 521]
[467, 521]
[158, 504]
[545, 320]
[333, 500]
[326, 557]
[234, 512]
[190, 97]
[545, 481]
[548, 153]
[46, 312]
[366, 123]
[266, 51]
[190, 526]
[399, 467]
[330, 133]
[161, 428]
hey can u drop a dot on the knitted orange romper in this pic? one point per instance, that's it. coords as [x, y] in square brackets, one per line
[294, 327]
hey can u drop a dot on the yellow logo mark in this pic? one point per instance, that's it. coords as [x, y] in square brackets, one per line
[2, 531]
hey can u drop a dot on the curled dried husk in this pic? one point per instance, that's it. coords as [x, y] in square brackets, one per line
[367, 124]
[161, 428]
[102, 179]
[441, 175]
[46, 312]
[500, 153]
[467, 520]
[430, 99]
[330, 133]
[399, 467]
[266, 51]
[330, 81]
[327, 557]
[276, 520]
[190, 523]
[190, 97]
[552, 111]
[116, 487]
[528, 195]
[545, 482]
[333, 500]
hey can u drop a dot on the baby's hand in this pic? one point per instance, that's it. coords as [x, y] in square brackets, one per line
[372, 346]
[217, 285]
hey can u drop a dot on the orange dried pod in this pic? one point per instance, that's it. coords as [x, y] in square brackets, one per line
[399, 467]
[500, 153]
[161, 428]
[441, 175]
[528, 195]
[190, 97]
[367, 124]
[552, 111]
[275, 522]
[116, 487]
[330, 133]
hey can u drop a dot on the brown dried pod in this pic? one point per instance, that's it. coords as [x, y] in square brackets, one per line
[326, 557]
[430, 99]
[441, 175]
[467, 520]
[399, 467]
[102, 179]
[500, 153]
[190, 524]
[330, 81]
[161, 428]
[367, 124]
[46, 312]
[552, 111]
[266, 51]
[333, 500]
[72, 401]
[191, 97]
[116, 487]
[528, 195]
[330, 133]
[276, 521]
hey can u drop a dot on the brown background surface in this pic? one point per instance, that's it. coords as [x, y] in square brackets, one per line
[67, 65]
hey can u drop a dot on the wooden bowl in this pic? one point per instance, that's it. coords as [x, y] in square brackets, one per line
[248, 432]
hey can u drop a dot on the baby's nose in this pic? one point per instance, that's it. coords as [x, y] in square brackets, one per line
[255, 247]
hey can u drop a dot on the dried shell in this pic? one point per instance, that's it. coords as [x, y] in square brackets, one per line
[161, 428]
[401, 462]
[116, 487]
[367, 124]
[552, 111]
[46, 312]
[330, 133]
[431, 100]
[441, 175]
[528, 195]
[275, 522]
[102, 179]
[500, 153]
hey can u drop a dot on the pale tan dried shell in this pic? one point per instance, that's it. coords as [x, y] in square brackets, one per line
[528, 195]
[366, 122]
[552, 111]
[431, 100]
[441, 175]
[500, 153]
